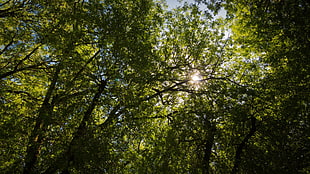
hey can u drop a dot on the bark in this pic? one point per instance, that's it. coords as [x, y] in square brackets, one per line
[241, 146]
[64, 162]
[37, 134]
[208, 147]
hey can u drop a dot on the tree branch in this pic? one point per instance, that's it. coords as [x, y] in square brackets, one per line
[22, 92]
[4, 75]
[7, 46]
[165, 90]
[82, 69]
[16, 69]
[11, 11]
[173, 87]
[26, 57]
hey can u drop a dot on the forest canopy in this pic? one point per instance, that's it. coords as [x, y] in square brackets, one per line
[132, 86]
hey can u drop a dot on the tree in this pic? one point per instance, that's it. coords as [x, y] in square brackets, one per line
[278, 30]
[130, 87]
[87, 54]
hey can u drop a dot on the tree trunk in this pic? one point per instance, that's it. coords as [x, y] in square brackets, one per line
[208, 147]
[241, 146]
[37, 134]
[67, 159]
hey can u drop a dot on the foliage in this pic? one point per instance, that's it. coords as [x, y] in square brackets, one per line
[278, 30]
[130, 87]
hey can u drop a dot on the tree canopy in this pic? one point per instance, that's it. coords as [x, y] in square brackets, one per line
[131, 86]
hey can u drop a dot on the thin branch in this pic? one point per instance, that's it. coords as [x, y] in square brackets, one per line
[220, 57]
[114, 113]
[16, 69]
[4, 75]
[7, 46]
[156, 117]
[173, 87]
[5, 3]
[83, 68]
[11, 11]
[64, 97]
[26, 57]
[23, 92]
[223, 78]
[165, 90]
[189, 140]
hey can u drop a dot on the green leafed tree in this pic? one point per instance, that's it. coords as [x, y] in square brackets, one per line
[67, 71]
[279, 31]
[128, 86]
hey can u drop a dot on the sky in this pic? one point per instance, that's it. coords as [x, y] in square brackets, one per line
[174, 3]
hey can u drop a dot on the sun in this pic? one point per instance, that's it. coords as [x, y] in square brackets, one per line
[196, 77]
[195, 80]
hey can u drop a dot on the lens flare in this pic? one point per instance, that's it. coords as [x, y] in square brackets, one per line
[196, 78]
